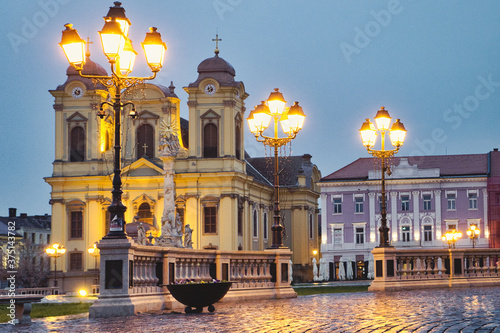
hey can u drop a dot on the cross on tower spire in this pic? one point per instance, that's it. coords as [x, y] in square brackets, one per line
[217, 40]
[87, 54]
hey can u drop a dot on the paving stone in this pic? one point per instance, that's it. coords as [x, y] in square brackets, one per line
[448, 310]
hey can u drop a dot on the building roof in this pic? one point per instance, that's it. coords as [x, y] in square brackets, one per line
[448, 165]
[25, 221]
[290, 167]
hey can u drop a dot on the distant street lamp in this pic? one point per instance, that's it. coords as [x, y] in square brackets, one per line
[473, 233]
[95, 252]
[369, 134]
[121, 55]
[451, 237]
[291, 120]
[55, 251]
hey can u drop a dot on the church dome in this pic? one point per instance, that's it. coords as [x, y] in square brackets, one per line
[216, 65]
[90, 68]
[216, 68]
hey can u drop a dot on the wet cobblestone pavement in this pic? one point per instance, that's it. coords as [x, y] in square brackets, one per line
[448, 310]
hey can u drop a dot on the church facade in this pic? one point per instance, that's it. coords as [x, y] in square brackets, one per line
[225, 199]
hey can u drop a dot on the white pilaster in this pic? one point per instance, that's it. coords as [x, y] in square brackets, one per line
[416, 216]
[437, 203]
[324, 218]
[485, 212]
[372, 225]
[394, 213]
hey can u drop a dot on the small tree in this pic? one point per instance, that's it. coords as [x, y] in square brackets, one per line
[33, 268]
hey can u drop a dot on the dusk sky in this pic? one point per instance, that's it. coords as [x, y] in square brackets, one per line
[433, 64]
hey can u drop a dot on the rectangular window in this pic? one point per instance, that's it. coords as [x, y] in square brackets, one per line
[240, 221]
[75, 261]
[311, 228]
[472, 200]
[427, 233]
[360, 235]
[405, 233]
[76, 224]
[255, 224]
[451, 198]
[210, 225]
[337, 206]
[265, 226]
[337, 236]
[427, 202]
[405, 202]
[359, 205]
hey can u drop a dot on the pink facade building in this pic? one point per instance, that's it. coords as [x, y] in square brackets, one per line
[426, 197]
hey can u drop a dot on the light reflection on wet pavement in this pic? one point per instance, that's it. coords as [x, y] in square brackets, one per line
[443, 310]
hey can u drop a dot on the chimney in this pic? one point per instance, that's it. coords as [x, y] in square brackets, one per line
[23, 215]
[306, 158]
[12, 212]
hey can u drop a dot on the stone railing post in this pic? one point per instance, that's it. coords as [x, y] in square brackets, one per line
[384, 259]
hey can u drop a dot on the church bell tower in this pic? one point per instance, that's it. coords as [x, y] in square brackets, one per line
[216, 114]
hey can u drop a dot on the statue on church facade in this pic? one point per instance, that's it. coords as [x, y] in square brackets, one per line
[171, 225]
[141, 234]
[188, 234]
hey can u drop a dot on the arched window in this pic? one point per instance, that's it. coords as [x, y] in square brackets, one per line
[144, 213]
[77, 144]
[210, 141]
[145, 143]
[237, 145]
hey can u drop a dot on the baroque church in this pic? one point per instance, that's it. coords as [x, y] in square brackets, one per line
[222, 193]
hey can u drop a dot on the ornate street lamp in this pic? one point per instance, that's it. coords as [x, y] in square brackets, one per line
[121, 55]
[451, 237]
[473, 233]
[55, 251]
[95, 252]
[369, 134]
[291, 120]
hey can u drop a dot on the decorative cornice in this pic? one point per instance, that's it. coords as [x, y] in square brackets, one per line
[229, 103]
[192, 104]
[191, 196]
[93, 198]
[229, 195]
[54, 201]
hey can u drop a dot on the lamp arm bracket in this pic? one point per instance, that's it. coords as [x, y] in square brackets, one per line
[128, 103]
[106, 103]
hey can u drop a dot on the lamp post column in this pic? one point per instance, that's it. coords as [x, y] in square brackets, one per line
[55, 271]
[277, 228]
[117, 209]
[384, 230]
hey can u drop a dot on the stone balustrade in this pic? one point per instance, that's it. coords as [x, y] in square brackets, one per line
[397, 269]
[45, 291]
[134, 277]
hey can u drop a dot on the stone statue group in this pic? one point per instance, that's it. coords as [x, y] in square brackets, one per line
[171, 234]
